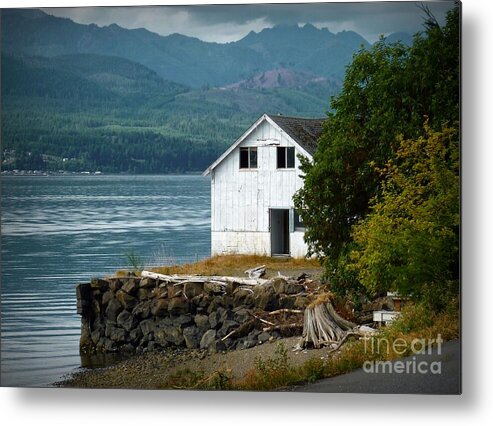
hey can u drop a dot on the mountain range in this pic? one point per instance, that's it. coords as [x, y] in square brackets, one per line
[82, 96]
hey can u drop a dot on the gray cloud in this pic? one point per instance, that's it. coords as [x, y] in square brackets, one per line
[224, 23]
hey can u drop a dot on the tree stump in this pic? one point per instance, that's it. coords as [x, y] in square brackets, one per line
[322, 325]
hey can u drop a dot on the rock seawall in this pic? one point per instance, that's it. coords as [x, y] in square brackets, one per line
[134, 314]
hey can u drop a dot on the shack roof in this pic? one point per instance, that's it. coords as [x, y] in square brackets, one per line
[305, 131]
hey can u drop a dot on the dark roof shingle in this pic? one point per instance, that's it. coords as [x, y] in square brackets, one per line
[305, 131]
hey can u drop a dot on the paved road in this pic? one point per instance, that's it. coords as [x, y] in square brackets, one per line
[360, 381]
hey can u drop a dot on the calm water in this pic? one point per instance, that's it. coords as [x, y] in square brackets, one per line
[58, 231]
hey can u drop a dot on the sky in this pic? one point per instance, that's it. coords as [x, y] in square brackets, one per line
[225, 23]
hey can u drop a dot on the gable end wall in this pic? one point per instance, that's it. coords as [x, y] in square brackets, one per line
[241, 198]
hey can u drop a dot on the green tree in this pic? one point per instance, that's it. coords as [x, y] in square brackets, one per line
[409, 242]
[389, 90]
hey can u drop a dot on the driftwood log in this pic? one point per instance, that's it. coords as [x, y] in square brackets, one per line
[182, 279]
[256, 273]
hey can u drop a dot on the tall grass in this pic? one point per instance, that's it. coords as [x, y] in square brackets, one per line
[134, 261]
[236, 265]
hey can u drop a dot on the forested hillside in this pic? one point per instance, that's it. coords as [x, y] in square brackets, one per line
[90, 112]
[82, 97]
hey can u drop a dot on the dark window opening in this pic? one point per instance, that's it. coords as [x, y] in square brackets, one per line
[248, 158]
[281, 157]
[298, 222]
[290, 158]
[253, 158]
[285, 157]
[243, 158]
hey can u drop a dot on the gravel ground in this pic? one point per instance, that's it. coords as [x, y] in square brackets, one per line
[150, 371]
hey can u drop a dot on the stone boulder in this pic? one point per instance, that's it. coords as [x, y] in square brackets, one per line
[175, 336]
[130, 286]
[113, 309]
[174, 290]
[159, 307]
[107, 296]
[217, 346]
[211, 342]
[264, 337]
[213, 288]
[202, 321]
[126, 300]
[115, 334]
[265, 297]
[95, 307]
[135, 336]
[147, 326]
[99, 284]
[159, 293]
[160, 337]
[115, 284]
[147, 283]
[178, 305]
[227, 327]
[227, 302]
[225, 314]
[247, 344]
[192, 336]
[215, 320]
[287, 302]
[143, 294]
[192, 289]
[85, 341]
[214, 304]
[208, 339]
[107, 345]
[164, 322]
[169, 336]
[293, 287]
[231, 287]
[243, 296]
[142, 310]
[96, 335]
[241, 314]
[183, 320]
[301, 302]
[84, 295]
[126, 320]
[279, 284]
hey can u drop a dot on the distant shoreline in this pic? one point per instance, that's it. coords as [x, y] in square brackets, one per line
[36, 173]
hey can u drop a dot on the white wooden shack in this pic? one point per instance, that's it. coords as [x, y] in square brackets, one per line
[252, 188]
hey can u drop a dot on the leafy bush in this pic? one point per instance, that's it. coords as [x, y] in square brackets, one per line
[313, 369]
[409, 242]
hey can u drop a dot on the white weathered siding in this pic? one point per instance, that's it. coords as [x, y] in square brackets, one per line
[298, 246]
[241, 198]
[241, 243]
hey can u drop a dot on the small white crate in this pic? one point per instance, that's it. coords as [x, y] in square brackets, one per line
[385, 316]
